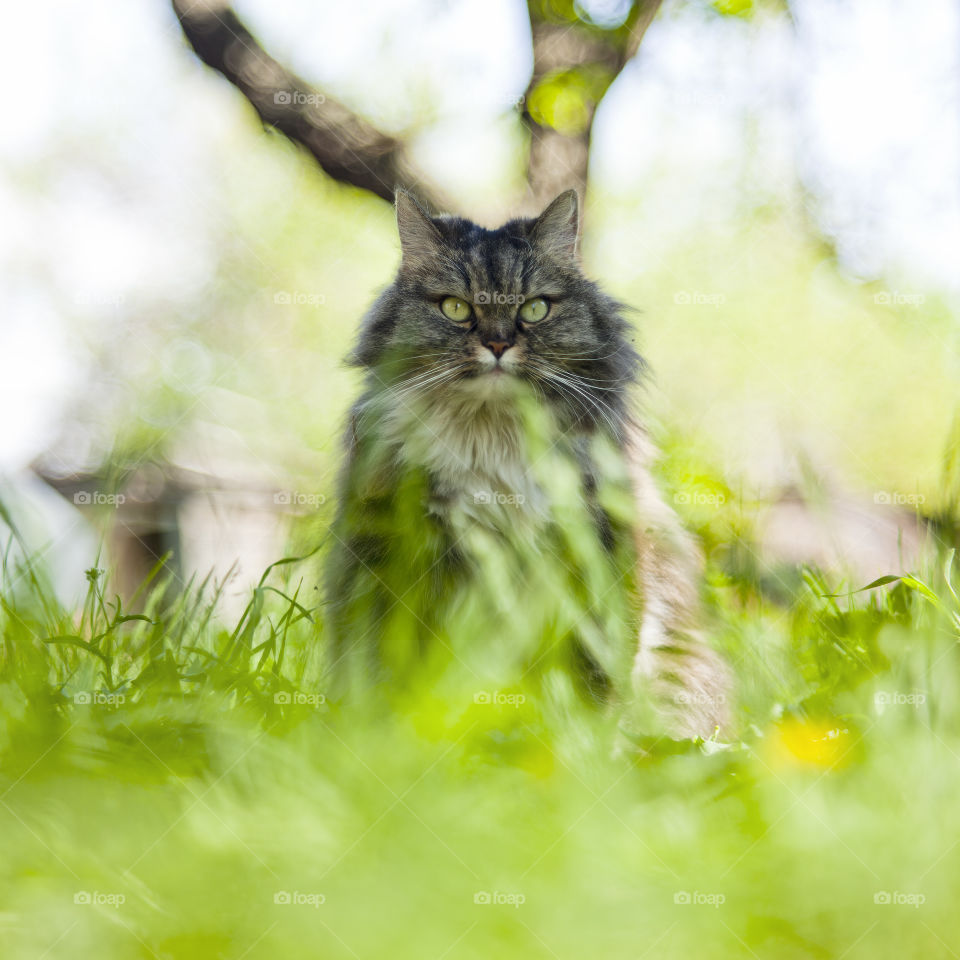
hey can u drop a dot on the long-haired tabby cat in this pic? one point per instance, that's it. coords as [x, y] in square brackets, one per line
[495, 426]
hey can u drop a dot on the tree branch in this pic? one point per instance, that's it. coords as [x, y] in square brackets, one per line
[574, 64]
[347, 147]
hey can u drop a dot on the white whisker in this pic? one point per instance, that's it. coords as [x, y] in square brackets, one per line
[573, 391]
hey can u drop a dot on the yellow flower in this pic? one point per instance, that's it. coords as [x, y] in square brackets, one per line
[819, 743]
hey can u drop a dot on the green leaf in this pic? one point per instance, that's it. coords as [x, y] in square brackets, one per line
[879, 582]
[947, 572]
[924, 591]
[73, 641]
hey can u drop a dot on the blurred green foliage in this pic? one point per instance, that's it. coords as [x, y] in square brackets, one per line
[176, 787]
[566, 99]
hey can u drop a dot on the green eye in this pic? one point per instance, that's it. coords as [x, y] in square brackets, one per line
[533, 311]
[455, 309]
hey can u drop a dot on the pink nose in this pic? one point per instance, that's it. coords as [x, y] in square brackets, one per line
[497, 347]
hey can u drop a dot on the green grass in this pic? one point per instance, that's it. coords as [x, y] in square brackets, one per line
[185, 776]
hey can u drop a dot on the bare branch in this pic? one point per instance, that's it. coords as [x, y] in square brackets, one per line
[646, 10]
[574, 63]
[347, 147]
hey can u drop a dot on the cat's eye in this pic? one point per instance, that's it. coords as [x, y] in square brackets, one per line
[533, 311]
[455, 309]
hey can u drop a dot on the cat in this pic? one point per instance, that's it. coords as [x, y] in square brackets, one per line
[482, 334]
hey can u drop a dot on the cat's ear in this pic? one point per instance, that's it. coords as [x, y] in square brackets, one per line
[556, 230]
[419, 238]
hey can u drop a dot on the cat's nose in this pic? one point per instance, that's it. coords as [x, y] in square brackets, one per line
[497, 347]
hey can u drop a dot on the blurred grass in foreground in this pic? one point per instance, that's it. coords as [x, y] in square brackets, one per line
[171, 787]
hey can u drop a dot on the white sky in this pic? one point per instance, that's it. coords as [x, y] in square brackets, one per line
[103, 156]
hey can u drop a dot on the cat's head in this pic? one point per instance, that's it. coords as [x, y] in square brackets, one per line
[476, 312]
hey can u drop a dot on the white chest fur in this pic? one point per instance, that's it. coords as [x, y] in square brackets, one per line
[476, 453]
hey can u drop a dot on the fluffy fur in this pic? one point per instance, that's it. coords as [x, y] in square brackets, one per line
[450, 402]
